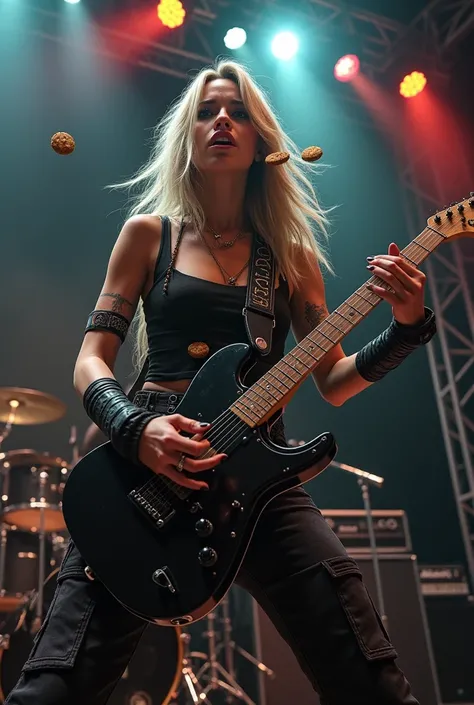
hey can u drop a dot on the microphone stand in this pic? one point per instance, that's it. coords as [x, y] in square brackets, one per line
[364, 479]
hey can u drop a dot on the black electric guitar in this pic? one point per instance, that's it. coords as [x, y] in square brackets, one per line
[170, 554]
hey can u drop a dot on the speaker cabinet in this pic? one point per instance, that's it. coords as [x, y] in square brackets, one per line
[451, 620]
[407, 626]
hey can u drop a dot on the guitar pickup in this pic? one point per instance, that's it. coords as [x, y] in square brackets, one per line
[159, 513]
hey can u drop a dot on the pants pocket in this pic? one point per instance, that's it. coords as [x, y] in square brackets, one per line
[58, 641]
[357, 604]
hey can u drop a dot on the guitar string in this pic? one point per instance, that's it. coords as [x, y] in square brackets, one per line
[217, 434]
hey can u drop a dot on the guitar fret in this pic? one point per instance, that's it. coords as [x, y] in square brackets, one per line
[269, 384]
[280, 387]
[328, 320]
[298, 360]
[313, 357]
[264, 392]
[347, 323]
[284, 373]
[352, 306]
[245, 410]
[252, 394]
[265, 396]
[410, 260]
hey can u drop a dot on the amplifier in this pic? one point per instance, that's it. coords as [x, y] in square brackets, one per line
[443, 580]
[390, 526]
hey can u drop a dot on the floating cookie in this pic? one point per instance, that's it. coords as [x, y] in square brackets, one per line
[63, 143]
[277, 158]
[198, 350]
[312, 154]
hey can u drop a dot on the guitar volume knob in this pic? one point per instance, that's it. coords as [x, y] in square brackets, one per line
[203, 527]
[207, 557]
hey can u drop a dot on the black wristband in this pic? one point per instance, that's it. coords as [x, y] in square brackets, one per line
[109, 321]
[390, 348]
[109, 408]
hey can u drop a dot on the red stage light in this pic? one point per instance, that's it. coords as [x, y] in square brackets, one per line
[412, 84]
[347, 68]
[171, 13]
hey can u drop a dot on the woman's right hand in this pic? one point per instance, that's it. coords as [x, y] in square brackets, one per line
[162, 444]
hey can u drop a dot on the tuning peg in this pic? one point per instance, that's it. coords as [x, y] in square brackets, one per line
[472, 194]
[437, 219]
[471, 202]
[449, 213]
[460, 208]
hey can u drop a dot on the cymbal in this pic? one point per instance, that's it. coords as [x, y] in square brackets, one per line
[29, 406]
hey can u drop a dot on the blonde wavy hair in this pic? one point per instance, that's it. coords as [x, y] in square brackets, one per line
[281, 203]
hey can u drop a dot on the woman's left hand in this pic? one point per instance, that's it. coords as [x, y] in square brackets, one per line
[407, 285]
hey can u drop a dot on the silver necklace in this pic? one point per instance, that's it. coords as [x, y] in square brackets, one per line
[229, 279]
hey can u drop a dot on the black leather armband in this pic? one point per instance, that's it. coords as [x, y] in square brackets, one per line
[122, 422]
[108, 320]
[390, 348]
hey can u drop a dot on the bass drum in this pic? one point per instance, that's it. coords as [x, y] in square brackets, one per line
[151, 677]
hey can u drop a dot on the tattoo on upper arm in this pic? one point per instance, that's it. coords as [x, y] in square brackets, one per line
[119, 302]
[314, 314]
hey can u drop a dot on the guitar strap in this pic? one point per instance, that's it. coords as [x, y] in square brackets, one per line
[259, 311]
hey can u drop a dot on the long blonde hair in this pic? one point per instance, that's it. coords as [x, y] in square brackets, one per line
[281, 203]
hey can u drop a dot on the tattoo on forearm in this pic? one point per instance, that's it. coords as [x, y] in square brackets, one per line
[118, 303]
[314, 314]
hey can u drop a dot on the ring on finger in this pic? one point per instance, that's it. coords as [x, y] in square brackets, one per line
[181, 462]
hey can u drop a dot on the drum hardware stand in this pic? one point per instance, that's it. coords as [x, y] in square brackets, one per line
[35, 627]
[218, 677]
[14, 404]
[364, 479]
[3, 549]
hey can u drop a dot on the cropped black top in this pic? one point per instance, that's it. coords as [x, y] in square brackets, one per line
[197, 310]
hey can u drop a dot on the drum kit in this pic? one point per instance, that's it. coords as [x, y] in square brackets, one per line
[33, 540]
[33, 533]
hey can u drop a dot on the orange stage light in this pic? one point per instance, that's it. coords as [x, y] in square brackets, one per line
[412, 84]
[171, 13]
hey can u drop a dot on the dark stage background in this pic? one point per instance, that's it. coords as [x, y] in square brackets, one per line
[59, 223]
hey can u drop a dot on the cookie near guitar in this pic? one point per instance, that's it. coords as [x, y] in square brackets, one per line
[172, 553]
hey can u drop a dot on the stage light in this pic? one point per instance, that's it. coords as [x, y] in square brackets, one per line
[285, 45]
[235, 38]
[347, 68]
[412, 84]
[171, 13]
[72, 2]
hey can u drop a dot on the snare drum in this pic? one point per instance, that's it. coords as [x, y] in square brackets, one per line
[32, 482]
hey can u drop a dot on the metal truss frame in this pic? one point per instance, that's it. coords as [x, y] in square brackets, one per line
[434, 31]
[450, 272]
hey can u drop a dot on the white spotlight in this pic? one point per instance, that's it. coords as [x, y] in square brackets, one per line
[72, 2]
[285, 45]
[235, 38]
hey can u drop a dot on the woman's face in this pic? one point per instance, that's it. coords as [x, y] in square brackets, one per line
[224, 136]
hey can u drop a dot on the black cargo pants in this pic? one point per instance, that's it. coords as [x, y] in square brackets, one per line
[295, 568]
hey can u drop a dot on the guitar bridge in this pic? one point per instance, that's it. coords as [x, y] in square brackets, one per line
[156, 509]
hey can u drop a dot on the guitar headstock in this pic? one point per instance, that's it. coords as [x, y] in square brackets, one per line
[457, 220]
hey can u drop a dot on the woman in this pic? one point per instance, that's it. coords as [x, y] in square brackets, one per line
[208, 174]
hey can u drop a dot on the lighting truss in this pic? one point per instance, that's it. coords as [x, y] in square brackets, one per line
[450, 271]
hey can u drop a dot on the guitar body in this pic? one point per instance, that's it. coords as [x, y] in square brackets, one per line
[170, 559]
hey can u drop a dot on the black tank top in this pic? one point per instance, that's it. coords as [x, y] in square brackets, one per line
[197, 310]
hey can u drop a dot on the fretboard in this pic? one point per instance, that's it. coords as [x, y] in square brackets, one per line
[275, 387]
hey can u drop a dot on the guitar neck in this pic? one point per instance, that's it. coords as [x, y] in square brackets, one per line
[275, 387]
